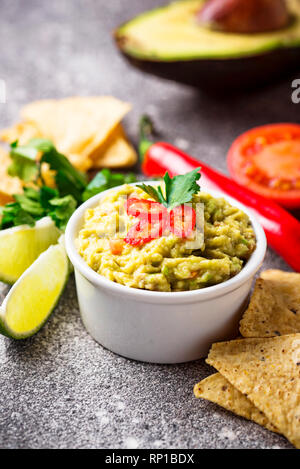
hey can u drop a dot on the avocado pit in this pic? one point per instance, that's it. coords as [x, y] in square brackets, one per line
[245, 16]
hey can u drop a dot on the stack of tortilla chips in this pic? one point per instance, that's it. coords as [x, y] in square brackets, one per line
[259, 376]
[87, 130]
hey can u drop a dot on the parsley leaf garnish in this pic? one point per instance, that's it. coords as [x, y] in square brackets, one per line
[178, 190]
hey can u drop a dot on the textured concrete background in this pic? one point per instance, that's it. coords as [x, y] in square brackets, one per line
[61, 389]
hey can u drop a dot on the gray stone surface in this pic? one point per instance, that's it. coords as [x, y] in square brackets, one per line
[61, 389]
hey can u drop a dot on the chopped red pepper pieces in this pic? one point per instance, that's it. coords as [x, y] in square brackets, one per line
[152, 220]
[116, 246]
[183, 221]
[155, 220]
[145, 209]
[138, 234]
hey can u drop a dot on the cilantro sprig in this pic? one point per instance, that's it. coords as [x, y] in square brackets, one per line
[25, 165]
[35, 204]
[104, 180]
[72, 187]
[178, 190]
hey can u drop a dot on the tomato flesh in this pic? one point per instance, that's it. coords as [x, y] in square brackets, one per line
[267, 160]
[282, 159]
[116, 246]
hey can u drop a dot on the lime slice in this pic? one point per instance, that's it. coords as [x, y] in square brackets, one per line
[20, 246]
[31, 300]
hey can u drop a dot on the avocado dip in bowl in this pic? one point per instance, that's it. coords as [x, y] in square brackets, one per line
[164, 294]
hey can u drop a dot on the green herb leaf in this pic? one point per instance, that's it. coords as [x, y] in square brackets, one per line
[58, 203]
[42, 145]
[66, 186]
[62, 209]
[104, 180]
[154, 193]
[46, 194]
[178, 190]
[68, 179]
[24, 165]
[13, 215]
[30, 206]
[23, 218]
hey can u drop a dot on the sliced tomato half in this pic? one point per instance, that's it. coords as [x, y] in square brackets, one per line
[267, 160]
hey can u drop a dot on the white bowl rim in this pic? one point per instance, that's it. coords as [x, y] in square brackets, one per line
[247, 272]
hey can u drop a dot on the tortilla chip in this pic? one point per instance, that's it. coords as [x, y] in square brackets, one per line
[8, 185]
[23, 132]
[267, 371]
[80, 163]
[217, 389]
[78, 125]
[274, 307]
[85, 129]
[116, 152]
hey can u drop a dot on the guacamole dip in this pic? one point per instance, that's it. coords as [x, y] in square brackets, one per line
[166, 263]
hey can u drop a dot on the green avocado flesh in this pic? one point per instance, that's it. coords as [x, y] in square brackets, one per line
[171, 33]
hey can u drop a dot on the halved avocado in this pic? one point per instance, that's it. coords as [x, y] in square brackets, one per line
[169, 42]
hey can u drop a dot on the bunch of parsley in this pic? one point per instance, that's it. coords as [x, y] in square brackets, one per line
[39, 200]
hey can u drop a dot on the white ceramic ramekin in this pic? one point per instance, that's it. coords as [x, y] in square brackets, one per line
[160, 327]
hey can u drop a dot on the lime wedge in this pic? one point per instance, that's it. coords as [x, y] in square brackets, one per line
[31, 300]
[20, 246]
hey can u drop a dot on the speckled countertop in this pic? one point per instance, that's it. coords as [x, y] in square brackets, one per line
[61, 389]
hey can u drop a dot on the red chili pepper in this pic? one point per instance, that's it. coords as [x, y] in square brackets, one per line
[281, 228]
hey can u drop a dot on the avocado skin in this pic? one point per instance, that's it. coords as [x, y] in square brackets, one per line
[221, 75]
